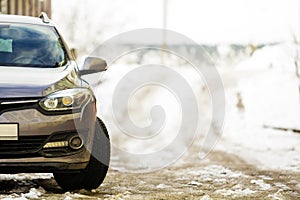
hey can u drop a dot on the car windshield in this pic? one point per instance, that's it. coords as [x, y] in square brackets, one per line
[27, 45]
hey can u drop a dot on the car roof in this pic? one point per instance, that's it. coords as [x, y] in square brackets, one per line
[23, 19]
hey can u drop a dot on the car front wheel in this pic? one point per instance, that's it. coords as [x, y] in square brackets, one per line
[94, 173]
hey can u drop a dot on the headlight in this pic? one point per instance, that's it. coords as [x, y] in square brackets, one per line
[70, 99]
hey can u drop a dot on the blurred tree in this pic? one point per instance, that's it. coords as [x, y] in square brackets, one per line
[86, 24]
[297, 60]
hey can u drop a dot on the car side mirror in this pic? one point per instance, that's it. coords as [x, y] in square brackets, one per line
[93, 65]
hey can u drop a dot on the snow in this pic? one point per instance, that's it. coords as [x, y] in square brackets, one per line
[68, 198]
[268, 88]
[194, 183]
[162, 186]
[32, 194]
[139, 106]
[220, 181]
[206, 197]
[277, 195]
[265, 177]
[235, 193]
[262, 185]
[265, 87]
[23, 176]
[213, 171]
[282, 186]
[265, 82]
[15, 198]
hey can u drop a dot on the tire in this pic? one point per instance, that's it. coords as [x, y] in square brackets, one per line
[94, 173]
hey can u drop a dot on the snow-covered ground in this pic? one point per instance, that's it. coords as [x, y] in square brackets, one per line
[268, 90]
[260, 91]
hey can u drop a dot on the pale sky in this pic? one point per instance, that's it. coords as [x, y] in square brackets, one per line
[205, 21]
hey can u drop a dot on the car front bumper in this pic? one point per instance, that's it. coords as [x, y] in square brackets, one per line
[72, 163]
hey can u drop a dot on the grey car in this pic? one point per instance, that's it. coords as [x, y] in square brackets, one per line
[48, 119]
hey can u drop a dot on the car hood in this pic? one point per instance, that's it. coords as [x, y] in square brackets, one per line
[29, 82]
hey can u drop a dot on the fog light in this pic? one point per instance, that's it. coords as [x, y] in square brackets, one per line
[75, 142]
[56, 144]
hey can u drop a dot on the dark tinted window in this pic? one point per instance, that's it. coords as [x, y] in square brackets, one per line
[29, 45]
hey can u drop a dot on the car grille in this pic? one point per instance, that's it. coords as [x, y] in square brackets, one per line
[25, 146]
[17, 104]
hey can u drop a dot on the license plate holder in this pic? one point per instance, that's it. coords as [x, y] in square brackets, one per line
[9, 131]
